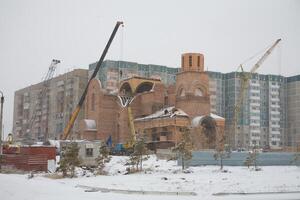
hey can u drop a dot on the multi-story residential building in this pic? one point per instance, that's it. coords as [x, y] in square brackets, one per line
[41, 113]
[217, 92]
[293, 111]
[112, 72]
[262, 116]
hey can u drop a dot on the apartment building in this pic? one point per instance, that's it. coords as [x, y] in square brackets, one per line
[262, 117]
[293, 111]
[42, 113]
[217, 93]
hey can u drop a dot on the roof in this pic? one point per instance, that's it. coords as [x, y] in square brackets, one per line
[196, 120]
[168, 112]
[141, 77]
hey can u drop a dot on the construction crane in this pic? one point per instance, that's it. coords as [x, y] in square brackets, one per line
[42, 95]
[245, 77]
[132, 128]
[75, 113]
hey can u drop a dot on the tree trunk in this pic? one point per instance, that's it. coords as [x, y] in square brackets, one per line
[141, 166]
[182, 159]
[221, 162]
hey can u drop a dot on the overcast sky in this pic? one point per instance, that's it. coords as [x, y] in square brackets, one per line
[33, 32]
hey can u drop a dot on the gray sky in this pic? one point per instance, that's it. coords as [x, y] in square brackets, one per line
[32, 32]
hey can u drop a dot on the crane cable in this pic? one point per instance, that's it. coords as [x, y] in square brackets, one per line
[121, 53]
[252, 57]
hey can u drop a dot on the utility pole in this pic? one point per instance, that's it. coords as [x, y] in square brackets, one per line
[1, 117]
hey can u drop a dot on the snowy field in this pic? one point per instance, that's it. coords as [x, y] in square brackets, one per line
[158, 176]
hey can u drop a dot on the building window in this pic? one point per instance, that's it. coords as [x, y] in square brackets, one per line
[59, 128]
[190, 61]
[181, 92]
[198, 61]
[89, 152]
[198, 92]
[166, 100]
[93, 102]
[163, 134]
[182, 61]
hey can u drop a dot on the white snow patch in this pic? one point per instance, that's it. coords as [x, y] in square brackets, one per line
[164, 113]
[160, 175]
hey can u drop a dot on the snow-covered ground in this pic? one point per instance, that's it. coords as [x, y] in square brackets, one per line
[159, 176]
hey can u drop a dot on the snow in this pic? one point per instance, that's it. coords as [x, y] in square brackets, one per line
[55, 143]
[160, 176]
[163, 113]
[196, 120]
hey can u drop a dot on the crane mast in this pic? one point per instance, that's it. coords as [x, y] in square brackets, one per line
[245, 77]
[42, 101]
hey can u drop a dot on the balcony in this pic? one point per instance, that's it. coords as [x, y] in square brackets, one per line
[255, 97]
[255, 104]
[275, 126]
[254, 117]
[274, 86]
[254, 131]
[275, 132]
[254, 138]
[275, 112]
[275, 139]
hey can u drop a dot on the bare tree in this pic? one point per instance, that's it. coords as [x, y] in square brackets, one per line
[251, 159]
[140, 154]
[222, 152]
[184, 148]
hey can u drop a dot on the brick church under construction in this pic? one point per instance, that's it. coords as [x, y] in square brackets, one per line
[153, 110]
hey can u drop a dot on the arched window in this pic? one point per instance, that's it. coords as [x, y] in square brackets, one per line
[181, 92]
[93, 102]
[190, 61]
[198, 92]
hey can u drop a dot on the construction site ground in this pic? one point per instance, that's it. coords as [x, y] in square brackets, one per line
[159, 179]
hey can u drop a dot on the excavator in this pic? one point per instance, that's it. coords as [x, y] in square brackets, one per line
[75, 113]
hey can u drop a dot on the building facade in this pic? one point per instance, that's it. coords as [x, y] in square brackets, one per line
[42, 113]
[293, 111]
[262, 117]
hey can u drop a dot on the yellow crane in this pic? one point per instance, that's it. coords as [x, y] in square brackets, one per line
[130, 144]
[125, 101]
[245, 77]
